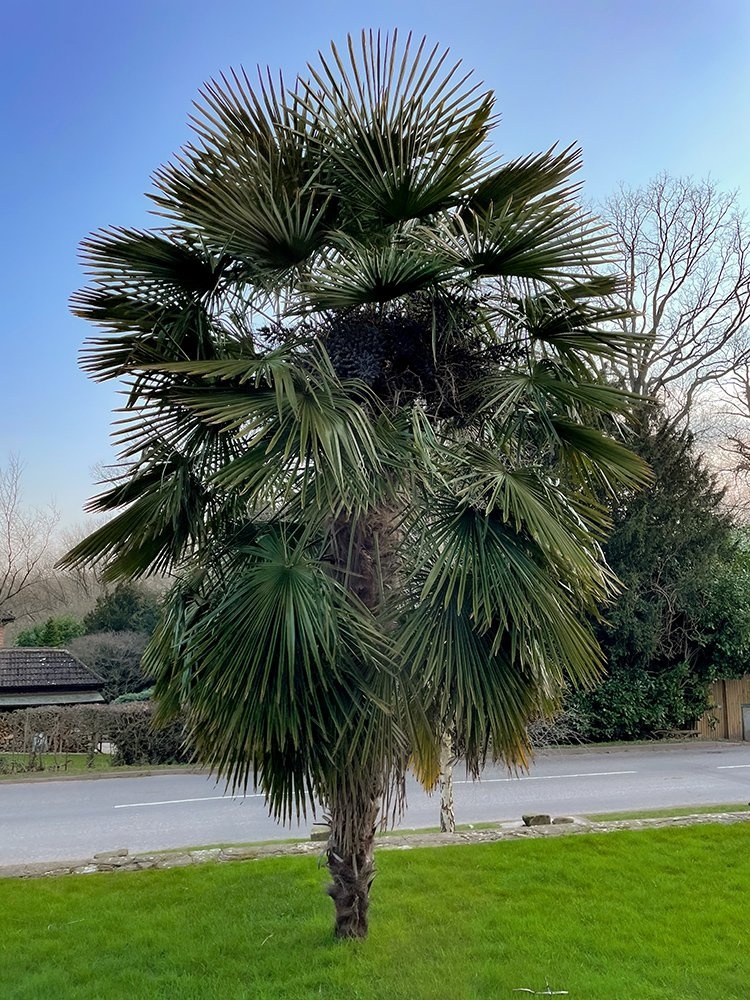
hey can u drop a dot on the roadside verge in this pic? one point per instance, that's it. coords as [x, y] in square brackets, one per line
[121, 860]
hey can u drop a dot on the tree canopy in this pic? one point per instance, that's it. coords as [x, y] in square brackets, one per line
[116, 657]
[125, 608]
[684, 259]
[366, 428]
[56, 631]
[683, 618]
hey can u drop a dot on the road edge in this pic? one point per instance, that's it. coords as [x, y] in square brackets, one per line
[122, 861]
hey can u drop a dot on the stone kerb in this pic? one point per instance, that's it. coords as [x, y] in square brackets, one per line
[122, 860]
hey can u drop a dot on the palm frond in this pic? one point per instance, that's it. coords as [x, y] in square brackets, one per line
[404, 130]
[551, 244]
[574, 326]
[254, 184]
[537, 177]
[592, 456]
[292, 420]
[360, 273]
[531, 501]
[549, 389]
[495, 631]
[274, 669]
[170, 511]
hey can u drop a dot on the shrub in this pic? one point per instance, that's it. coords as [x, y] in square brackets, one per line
[124, 699]
[116, 657]
[54, 632]
[84, 728]
[127, 608]
[138, 742]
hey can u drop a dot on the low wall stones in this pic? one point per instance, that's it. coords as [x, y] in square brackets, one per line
[122, 861]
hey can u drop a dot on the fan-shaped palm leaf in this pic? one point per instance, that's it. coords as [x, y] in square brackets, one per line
[367, 427]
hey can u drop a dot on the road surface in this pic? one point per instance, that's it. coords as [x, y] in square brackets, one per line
[55, 820]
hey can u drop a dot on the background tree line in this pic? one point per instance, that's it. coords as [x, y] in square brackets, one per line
[679, 545]
[110, 638]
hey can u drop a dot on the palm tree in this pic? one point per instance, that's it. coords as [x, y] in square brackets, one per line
[365, 429]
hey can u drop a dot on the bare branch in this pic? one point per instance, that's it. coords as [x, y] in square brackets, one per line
[685, 264]
[27, 579]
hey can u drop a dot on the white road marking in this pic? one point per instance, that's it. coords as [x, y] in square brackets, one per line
[171, 802]
[730, 767]
[545, 777]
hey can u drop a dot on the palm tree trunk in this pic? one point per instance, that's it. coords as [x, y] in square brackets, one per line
[363, 552]
[447, 813]
[351, 862]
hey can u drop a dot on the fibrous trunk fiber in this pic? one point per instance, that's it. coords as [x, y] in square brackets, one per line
[351, 864]
[350, 891]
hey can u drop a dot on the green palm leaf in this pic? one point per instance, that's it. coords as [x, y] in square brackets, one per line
[280, 219]
[367, 426]
[360, 273]
[405, 140]
[294, 639]
[539, 177]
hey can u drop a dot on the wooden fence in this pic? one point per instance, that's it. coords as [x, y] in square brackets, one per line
[729, 718]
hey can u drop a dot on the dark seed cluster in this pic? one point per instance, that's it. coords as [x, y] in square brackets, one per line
[356, 348]
[422, 349]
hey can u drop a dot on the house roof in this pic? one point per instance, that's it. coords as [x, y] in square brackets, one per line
[32, 669]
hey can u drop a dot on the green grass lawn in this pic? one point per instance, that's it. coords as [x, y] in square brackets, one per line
[667, 811]
[15, 765]
[657, 915]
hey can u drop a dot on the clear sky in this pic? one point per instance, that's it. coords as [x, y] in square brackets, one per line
[95, 95]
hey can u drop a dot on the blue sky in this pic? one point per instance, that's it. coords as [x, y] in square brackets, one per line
[95, 96]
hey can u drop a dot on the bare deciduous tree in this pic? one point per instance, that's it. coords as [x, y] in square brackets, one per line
[724, 428]
[27, 579]
[685, 263]
[115, 656]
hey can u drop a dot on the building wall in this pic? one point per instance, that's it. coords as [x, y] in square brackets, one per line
[724, 720]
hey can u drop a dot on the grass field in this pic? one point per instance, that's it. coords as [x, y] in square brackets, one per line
[657, 915]
[724, 807]
[15, 766]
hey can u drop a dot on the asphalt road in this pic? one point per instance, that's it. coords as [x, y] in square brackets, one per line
[54, 820]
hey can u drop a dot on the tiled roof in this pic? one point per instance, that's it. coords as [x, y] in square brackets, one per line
[31, 669]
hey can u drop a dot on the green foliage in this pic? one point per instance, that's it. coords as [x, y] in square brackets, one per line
[115, 634]
[684, 618]
[126, 608]
[58, 631]
[636, 702]
[146, 695]
[725, 616]
[138, 741]
[365, 428]
[82, 728]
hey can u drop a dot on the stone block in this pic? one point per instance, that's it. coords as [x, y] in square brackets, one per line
[538, 819]
[320, 831]
[208, 854]
[174, 861]
[563, 819]
[238, 853]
